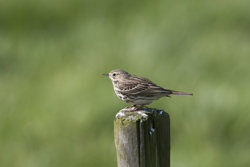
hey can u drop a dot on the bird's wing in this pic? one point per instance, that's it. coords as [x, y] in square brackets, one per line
[132, 87]
[140, 85]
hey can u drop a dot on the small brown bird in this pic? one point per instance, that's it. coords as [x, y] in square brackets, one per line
[138, 90]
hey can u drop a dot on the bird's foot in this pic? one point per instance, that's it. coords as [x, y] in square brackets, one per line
[140, 107]
[135, 108]
[131, 106]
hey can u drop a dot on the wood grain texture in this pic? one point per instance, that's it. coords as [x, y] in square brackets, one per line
[142, 138]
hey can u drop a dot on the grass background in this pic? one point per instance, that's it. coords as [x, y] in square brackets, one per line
[56, 109]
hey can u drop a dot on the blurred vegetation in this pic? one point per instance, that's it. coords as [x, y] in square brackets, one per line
[56, 109]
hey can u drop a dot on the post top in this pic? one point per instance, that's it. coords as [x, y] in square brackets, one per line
[126, 114]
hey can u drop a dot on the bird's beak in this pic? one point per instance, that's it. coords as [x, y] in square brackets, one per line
[106, 74]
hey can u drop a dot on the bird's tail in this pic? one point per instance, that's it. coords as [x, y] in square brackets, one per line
[181, 93]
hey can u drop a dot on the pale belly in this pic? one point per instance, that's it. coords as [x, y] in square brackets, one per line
[142, 102]
[136, 100]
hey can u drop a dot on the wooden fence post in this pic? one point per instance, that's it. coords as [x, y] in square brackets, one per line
[142, 138]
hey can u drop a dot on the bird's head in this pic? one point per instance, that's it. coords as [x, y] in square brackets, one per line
[117, 75]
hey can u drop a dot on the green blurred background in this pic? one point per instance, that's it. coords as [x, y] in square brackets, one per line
[57, 110]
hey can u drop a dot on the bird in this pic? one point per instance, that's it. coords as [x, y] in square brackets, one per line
[138, 90]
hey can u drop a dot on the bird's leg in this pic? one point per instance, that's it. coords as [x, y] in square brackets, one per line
[140, 107]
[131, 106]
[136, 108]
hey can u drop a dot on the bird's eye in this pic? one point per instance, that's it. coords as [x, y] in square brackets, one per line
[114, 74]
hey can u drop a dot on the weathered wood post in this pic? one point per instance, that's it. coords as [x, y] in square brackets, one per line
[142, 138]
